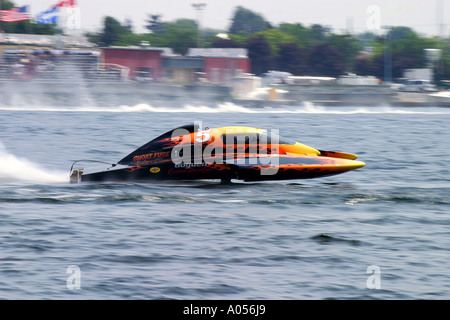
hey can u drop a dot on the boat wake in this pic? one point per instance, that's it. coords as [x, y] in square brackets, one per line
[17, 170]
[228, 107]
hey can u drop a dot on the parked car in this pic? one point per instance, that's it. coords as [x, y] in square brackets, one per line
[417, 85]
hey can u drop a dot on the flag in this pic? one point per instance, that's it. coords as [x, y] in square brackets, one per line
[65, 3]
[15, 14]
[49, 16]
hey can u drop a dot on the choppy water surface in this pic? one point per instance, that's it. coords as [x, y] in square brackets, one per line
[302, 239]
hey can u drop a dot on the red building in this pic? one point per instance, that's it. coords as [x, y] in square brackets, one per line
[222, 64]
[143, 62]
[223, 69]
[219, 65]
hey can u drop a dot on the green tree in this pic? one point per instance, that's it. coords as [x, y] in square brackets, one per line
[275, 38]
[259, 52]
[407, 51]
[347, 46]
[6, 4]
[412, 47]
[306, 37]
[318, 33]
[444, 70]
[292, 59]
[324, 60]
[363, 66]
[154, 23]
[180, 35]
[225, 43]
[112, 31]
[247, 22]
[300, 33]
[399, 33]
[366, 38]
[29, 27]
[129, 25]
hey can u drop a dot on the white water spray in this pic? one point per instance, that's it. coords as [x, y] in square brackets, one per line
[229, 107]
[14, 169]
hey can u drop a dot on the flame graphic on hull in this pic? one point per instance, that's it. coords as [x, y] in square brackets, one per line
[225, 153]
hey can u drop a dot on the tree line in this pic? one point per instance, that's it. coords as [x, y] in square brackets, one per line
[292, 47]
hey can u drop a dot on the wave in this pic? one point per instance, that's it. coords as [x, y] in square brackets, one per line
[229, 107]
[14, 170]
[325, 238]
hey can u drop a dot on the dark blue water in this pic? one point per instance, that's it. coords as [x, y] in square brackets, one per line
[302, 239]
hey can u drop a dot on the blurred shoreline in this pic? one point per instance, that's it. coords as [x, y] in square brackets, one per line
[111, 93]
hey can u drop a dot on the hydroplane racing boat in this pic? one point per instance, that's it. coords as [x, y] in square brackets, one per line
[244, 153]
